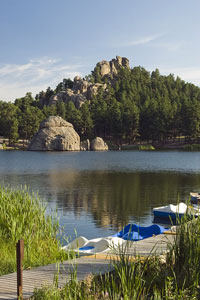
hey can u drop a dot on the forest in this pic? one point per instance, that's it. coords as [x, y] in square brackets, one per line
[137, 106]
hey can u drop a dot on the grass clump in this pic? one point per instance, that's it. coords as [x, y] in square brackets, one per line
[23, 216]
[138, 147]
[192, 147]
[130, 280]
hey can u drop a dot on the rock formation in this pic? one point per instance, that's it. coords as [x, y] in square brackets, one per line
[55, 134]
[111, 68]
[84, 90]
[98, 144]
[85, 145]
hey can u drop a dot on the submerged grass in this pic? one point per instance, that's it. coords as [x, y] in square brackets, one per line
[173, 276]
[23, 216]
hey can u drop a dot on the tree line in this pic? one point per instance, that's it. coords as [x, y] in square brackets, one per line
[137, 104]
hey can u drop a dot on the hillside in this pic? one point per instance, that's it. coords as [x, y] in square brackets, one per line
[115, 102]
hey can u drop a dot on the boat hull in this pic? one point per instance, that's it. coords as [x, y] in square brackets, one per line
[168, 215]
[195, 198]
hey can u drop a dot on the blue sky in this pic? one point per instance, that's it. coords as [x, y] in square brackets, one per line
[44, 41]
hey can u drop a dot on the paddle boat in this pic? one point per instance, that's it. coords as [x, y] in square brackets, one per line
[175, 211]
[130, 232]
[83, 246]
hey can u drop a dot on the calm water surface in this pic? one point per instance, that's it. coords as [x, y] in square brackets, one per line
[97, 193]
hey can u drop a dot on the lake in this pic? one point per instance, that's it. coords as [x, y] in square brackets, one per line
[96, 193]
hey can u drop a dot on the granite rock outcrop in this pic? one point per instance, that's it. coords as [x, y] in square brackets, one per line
[55, 134]
[98, 144]
[84, 90]
[111, 68]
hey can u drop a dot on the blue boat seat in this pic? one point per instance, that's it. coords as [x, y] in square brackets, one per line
[135, 232]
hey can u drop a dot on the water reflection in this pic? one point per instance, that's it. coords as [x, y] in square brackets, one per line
[98, 193]
[115, 198]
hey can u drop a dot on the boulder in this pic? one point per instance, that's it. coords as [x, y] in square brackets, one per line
[1, 147]
[85, 145]
[98, 144]
[104, 67]
[55, 134]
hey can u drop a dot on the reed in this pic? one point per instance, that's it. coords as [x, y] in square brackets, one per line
[23, 216]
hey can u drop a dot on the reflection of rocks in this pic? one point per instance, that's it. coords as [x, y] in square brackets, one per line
[55, 134]
[98, 144]
[111, 198]
[114, 199]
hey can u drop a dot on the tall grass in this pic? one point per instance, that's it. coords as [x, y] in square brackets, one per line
[185, 253]
[23, 216]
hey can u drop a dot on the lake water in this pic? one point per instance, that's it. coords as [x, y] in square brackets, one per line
[96, 193]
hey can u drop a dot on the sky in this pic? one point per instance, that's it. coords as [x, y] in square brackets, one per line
[44, 41]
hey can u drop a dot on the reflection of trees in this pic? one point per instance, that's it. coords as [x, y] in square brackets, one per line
[112, 198]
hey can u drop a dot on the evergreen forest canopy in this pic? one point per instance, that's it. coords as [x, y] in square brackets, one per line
[136, 104]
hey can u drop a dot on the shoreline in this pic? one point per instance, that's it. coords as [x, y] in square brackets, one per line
[124, 147]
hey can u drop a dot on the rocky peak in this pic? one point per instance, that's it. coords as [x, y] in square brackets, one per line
[111, 68]
[84, 90]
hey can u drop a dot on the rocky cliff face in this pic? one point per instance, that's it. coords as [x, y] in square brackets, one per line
[111, 68]
[83, 90]
[55, 134]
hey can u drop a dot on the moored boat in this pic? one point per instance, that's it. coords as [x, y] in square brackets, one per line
[130, 232]
[195, 198]
[176, 211]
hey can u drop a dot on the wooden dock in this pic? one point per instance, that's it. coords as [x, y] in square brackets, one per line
[84, 266]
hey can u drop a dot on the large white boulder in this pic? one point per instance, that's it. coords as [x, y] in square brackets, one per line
[55, 134]
[98, 144]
